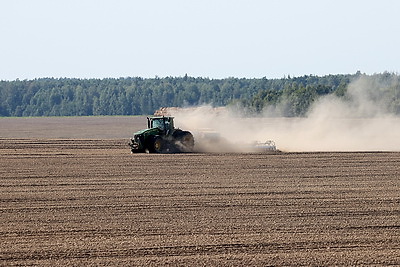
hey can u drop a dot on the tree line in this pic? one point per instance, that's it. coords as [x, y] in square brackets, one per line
[142, 96]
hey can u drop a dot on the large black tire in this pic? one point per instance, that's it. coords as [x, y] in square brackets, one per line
[188, 140]
[156, 144]
[185, 139]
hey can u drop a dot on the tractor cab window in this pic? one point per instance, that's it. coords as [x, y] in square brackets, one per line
[158, 124]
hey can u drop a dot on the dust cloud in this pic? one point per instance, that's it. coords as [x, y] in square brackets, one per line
[359, 122]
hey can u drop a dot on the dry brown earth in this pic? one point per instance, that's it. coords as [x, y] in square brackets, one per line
[75, 200]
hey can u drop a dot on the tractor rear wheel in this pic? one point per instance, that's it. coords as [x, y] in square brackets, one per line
[186, 140]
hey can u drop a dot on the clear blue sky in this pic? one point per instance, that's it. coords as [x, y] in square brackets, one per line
[208, 38]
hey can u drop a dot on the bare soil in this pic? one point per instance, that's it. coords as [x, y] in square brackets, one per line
[76, 200]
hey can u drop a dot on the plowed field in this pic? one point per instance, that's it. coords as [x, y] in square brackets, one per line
[68, 200]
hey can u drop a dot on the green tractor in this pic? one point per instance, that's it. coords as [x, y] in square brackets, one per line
[161, 137]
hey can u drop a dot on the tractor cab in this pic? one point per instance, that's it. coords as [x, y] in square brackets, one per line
[165, 124]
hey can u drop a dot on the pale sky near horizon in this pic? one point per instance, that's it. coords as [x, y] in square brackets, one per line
[207, 38]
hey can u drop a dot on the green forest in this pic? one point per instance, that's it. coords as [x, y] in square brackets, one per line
[142, 96]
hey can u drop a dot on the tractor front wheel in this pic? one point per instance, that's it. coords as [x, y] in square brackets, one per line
[157, 145]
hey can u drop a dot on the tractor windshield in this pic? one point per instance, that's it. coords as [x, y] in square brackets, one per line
[158, 124]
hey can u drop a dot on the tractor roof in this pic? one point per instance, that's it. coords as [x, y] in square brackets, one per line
[159, 117]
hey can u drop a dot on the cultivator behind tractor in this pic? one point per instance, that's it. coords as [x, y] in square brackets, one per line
[268, 146]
